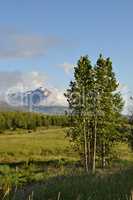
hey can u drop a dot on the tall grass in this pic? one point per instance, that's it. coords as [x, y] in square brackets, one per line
[80, 187]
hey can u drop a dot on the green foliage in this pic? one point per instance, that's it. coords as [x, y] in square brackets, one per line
[30, 121]
[110, 105]
[96, 110]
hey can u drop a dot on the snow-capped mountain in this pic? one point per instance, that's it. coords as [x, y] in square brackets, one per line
[38, 100]
[29, 98]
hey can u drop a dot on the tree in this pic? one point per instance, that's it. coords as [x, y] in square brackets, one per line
[96, 108]
[78, 97]
[111, 105]
[2, 123]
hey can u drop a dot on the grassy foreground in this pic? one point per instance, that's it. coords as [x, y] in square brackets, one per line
[79, 186]
[41, 165]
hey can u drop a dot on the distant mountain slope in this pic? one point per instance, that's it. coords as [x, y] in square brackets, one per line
[4, 107]
[51, 109]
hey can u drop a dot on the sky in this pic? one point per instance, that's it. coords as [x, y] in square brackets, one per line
[41, 40]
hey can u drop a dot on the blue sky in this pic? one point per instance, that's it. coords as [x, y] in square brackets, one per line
[48, 36]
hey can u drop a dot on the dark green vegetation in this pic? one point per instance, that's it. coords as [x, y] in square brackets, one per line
[30, 121]
[83, 187]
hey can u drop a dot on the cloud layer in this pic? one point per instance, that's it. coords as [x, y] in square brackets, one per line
[15, 45]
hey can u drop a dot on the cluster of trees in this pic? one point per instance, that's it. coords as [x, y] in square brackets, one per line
[30, 121]
[96, 106]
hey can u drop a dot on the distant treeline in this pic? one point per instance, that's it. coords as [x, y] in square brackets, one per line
[30, 121]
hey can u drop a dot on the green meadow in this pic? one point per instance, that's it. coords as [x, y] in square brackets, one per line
[41, 145]
[42, 165]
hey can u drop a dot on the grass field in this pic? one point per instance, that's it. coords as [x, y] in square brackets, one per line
[42, 165]
[45, 145]
[42, 145]
[34, 156]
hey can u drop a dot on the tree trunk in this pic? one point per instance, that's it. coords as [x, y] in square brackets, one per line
[94, 146]
[103, 156]
[85, 149]
[89, 154]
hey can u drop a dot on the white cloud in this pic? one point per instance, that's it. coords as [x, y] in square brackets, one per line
[126, 94]
[56, 98]
[67, 67]
[33, 80]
